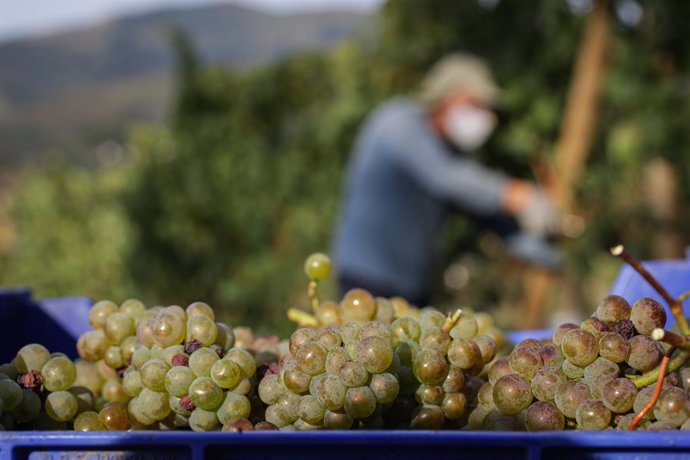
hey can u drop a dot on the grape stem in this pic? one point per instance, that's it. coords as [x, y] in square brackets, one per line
[657, 391]
[678, 341]
[674, 304]
[313, 297]
[650, 377]
[302, 318]
[451, 320]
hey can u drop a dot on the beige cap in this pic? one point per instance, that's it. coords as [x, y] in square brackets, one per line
[455, 72]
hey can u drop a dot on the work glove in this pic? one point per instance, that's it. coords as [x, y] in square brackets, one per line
[539, 217]
[533, 249]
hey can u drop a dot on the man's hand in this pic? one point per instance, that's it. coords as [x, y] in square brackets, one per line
[539, 216]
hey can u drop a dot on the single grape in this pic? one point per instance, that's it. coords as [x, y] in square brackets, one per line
[273, 417]
[512, 393]
[178, 379]
[385, 387]
[301, 337]
[88, 421]
[594, 326]
[465, 328]
[31, 357]
[544, 416]
[200, 309]
[287, 407]
[430, 367]
[647, 314]
[545, 381]
[580, 347]
[358, 305]
[614, 347]
[203, 329]
[569, 395]
[435, 338]
[140, 356]
[144, 332]
[234, 406]
[202, 361]
[10, 394]
[454, 405]
[88, 376]
[113, 357]
[337, 420]
[91, 345]
[464, 353]
[131, 383]
[613, 308]
[317, 266]
[153, 374]
[561, 331]
[485, 397]
[673, 406]
[113, 391]
[455, 380]
[294, 379]
[329, 338]
[225, 373]
[29, 408]
[375, 353]
[311, 410]
[619, 395]
[405, 328]
[328, 314]
[270, 388]
[428, 418]
[360, 402]
[58, 374]
[498, 369]
[114, 417]
[311, 358]
[99, 313]
[61, 406]
[592, 414]
[525, 362]
[133, 307]
[238, 425]
[205, 394]
[487, 347]
[168, 328]
[153, 404]
[332, 392]
[572, 371]
[204, 420]
[385, 312]
[226, 336]
[645, 353]
[119, 326]
[429, 394]
[244, 359]
[598, 367]
[552, 355]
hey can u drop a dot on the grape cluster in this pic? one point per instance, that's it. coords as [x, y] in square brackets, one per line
[336, 377]
[40, 390]
[441, 361]
[587, 376]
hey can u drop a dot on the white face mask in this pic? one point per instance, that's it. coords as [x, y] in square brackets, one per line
[469, 127]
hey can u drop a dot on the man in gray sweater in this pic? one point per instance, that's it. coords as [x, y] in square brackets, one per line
[412, 165]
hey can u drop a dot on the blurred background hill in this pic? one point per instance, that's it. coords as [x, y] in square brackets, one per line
[69, 91]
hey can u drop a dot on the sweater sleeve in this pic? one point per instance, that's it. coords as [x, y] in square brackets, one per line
[406, 136]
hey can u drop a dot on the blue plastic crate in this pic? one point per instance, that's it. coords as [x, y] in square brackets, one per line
[346, 445]
[55, 323]
[674, 276]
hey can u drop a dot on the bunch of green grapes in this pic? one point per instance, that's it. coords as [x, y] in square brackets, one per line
[39, 390]
[442, 363]
[587, 376]
[187, 372]
[334, 378]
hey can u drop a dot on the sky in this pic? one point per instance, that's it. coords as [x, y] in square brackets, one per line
[26, 18]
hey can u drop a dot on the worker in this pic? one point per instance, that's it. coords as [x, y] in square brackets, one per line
[413, 163]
